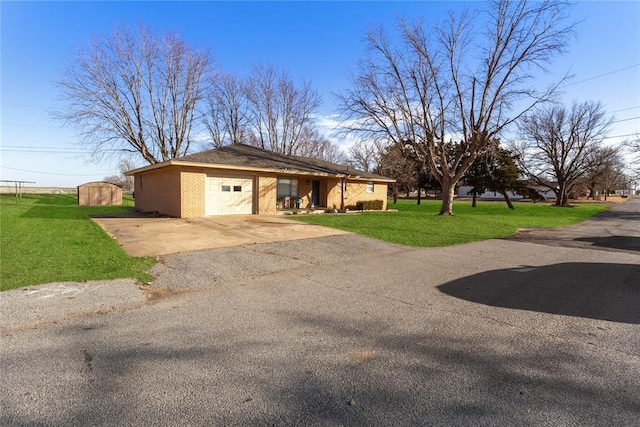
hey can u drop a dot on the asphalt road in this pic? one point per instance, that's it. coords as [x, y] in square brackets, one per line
[340, 330]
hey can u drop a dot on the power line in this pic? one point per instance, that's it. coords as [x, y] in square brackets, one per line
[50, 147]
[25, 106]
[624, 109]
[49, 173]
[31, 125]
[43, 151]
[605, 74]
[620, 136]
[626, 120]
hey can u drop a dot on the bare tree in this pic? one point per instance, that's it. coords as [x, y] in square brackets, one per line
[604, 166]
[395, 162]
[455, 83]
[632, 146]
[280, 110]
[135, 91]
[365, 154]
[558, 145]
[317, 146]
[126, 182]
[227, 114]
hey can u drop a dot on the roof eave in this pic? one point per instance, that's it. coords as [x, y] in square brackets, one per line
[170, 163]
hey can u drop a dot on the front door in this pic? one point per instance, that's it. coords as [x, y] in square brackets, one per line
[315, 193]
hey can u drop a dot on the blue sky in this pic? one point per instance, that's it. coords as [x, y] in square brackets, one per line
[318, 41]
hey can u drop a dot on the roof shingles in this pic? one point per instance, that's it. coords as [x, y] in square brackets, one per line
[242, 155]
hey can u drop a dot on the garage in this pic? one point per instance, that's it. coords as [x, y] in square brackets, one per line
[229, 195]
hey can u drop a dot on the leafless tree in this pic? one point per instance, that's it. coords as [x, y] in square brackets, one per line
[604, 167]
[395, 162]
[558, 145]
[227, 114]
[280, 110]
[632, 146]
[456, 82]
[126, 182]
[365, 154]
[135, 91]
[317, 146]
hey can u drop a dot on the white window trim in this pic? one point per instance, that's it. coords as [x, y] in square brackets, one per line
[370, 187]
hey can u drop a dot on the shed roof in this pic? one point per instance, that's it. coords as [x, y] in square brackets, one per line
[100, 183]
[247, 157]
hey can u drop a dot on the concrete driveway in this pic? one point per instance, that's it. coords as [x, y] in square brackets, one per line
[147, 236]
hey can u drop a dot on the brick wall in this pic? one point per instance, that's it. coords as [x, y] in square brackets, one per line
[158, 191]
[181, 192]
[357, 192]
[334, 196]
[267, 193]
[193, 188]
[304, 191]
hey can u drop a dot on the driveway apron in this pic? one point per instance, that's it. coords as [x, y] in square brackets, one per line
[148, 236]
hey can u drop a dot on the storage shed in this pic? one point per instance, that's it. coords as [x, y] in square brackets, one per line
[99, 194]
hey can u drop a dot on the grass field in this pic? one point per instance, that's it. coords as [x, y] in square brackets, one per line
[415, 225]
[49, 238]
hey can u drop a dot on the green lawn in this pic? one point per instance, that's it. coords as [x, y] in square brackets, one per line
[49, 238]
[415, 225]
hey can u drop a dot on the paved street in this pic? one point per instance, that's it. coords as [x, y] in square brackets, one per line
[341, 330]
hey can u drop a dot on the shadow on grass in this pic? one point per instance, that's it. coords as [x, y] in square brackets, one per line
[590, 290]
[51, 199]
[65, 206]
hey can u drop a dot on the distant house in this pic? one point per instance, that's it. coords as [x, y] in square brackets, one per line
[242, 179]
[99, 194]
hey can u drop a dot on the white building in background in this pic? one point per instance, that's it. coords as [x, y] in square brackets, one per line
[465, 191]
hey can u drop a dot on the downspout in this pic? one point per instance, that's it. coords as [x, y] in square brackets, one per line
[343, 187]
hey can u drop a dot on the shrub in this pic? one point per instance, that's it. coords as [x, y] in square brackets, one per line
[369, 205]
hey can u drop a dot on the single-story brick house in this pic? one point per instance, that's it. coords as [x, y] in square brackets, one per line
[242, 179]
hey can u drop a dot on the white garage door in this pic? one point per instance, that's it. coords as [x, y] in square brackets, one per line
[229, 195]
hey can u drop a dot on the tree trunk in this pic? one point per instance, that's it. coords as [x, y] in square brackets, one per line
[419, 195]
[448, 190]
[562, 198]
[507, 199]
[473, 200]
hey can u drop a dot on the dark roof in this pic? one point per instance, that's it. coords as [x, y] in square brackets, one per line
[247, 156]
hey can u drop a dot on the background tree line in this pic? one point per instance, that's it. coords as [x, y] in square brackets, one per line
[427, 104]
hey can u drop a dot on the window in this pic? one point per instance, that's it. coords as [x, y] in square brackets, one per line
[226, 188]
[237, 188]
[287, 192]
[370, 187]
[287, 187]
